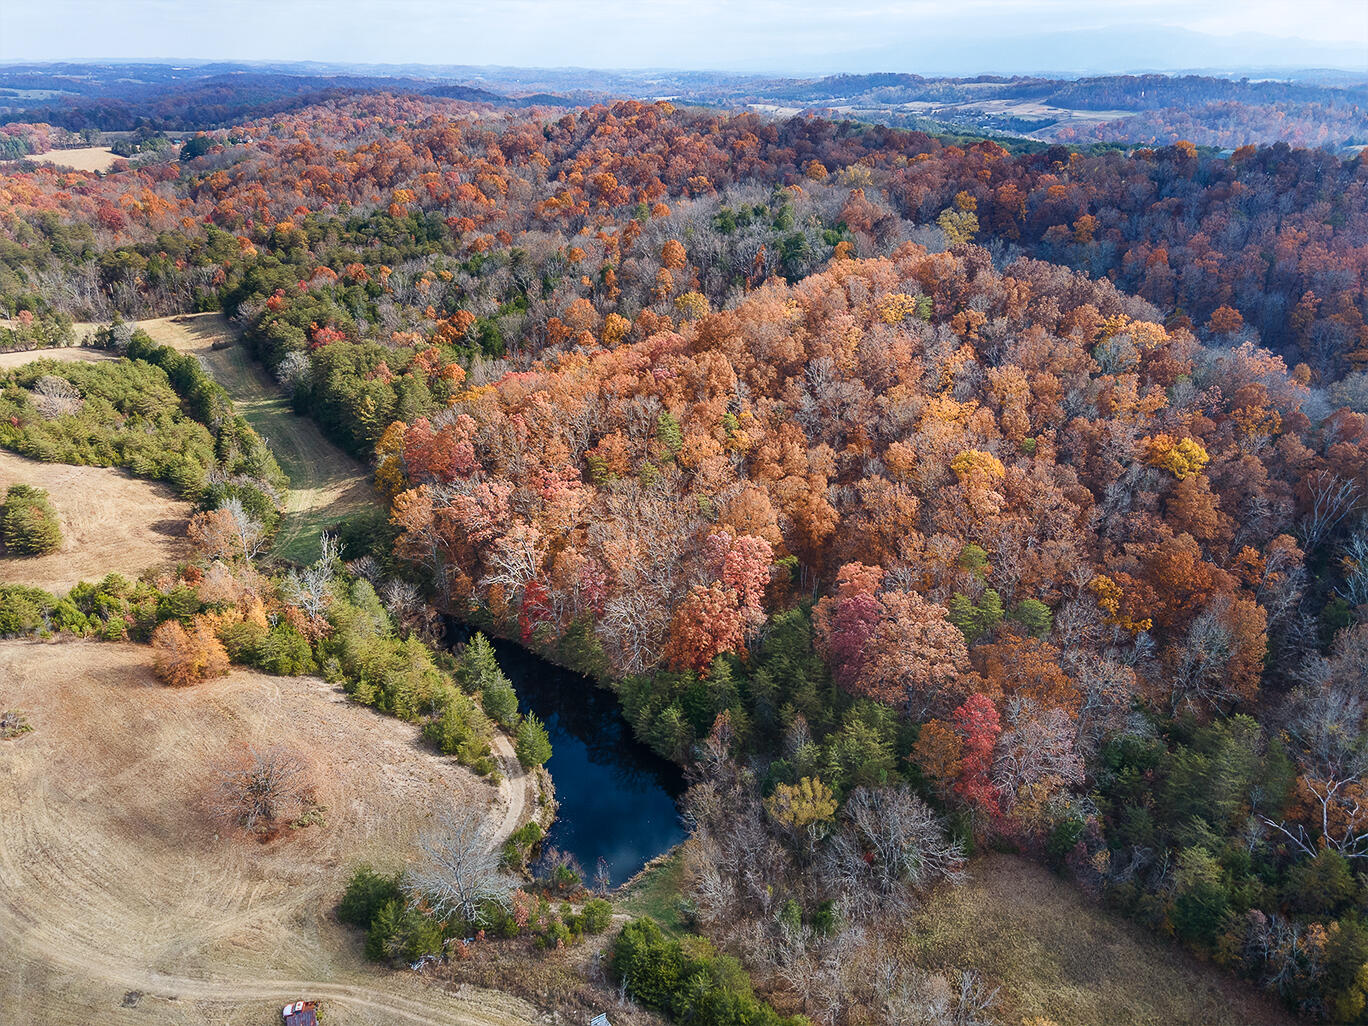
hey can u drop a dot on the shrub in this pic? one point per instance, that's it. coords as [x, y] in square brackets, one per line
[975, 620]
[240, 639]
[282, 651]
[597, 914]
[13, 724]
[461, 729]
[1035, 616]
[400, 932]
[23, 610]
[533, 743]
[519, 845]
[687, 980]
[187, 657]
[557, 934]
[28, 523]
[180, 603]
[1323, 885]
[479, 672]
[366, 894]
[500, 701]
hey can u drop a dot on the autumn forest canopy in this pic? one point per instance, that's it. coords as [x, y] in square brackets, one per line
[920, 493]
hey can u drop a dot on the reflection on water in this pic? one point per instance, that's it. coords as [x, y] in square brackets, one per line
[616, 797]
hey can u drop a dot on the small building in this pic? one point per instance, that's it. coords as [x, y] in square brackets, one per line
[600, 1020]
[301, 1013]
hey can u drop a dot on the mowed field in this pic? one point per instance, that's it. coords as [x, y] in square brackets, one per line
[68, 354]
[123, 901]
[325, 483]
[84, 158]
[1055, 953]
[112, 522]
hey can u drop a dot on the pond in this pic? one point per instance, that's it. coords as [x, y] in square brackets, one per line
[616, 798]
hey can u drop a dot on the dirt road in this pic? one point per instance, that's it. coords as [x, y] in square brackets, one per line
[123, 901]
[516, 791]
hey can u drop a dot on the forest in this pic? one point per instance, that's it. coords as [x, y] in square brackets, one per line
[920, 496]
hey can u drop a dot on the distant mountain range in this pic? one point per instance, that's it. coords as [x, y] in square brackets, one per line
[1109, 51]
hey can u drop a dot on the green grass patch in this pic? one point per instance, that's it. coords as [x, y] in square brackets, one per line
[658, 893]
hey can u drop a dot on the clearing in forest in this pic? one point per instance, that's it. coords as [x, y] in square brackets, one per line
[123, 901]
[1053, 954]
[111, 521]
[82, 158]
[69, 354]
[1057, 954]
[325, 483]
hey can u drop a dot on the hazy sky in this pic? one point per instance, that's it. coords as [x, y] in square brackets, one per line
[781, 35]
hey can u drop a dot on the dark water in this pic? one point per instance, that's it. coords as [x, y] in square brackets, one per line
[616, 797]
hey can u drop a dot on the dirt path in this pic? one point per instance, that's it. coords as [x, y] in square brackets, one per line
[111, 521]
[325, 483]
[514, 790]
[121, 899]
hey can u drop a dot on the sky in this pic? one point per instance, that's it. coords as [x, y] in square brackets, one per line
[788, 36]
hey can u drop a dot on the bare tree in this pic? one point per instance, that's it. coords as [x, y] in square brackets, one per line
[891, 843]
[460, 873]
[1355, 587]
[1328, 721]
[311, 588]
[295, 373]
[366, 567]
[514, 559]
[973, 1000]
[259, 787]
[1332, 500]
[603, 878]
[55, 396]
[405, 603]
[251, 536]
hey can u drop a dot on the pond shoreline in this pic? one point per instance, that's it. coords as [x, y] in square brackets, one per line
[616, 799]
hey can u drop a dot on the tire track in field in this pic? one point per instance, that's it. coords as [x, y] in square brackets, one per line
[114, 883]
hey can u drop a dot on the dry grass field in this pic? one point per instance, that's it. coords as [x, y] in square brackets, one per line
[1056, 954]
[85, 158]
[123, 901]
[67, 354]
[111, 523]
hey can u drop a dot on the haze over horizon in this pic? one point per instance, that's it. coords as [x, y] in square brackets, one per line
[767, 36]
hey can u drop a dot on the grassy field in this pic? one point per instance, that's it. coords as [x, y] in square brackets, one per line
[326, 485]
[122, 900]
[1051, 952]
[111, 521]
[70, 354]
[1057, 954]
[655, 892]
[82, 158]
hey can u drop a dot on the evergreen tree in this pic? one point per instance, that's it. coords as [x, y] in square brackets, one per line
[534, 744]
